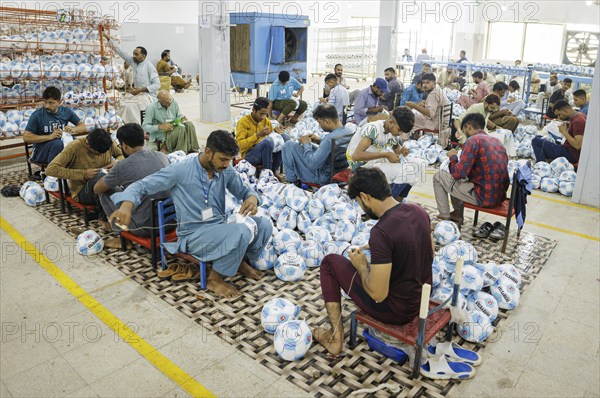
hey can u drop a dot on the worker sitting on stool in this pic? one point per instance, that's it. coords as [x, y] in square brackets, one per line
[46, 125]
[85, 161]
[369, 100]
[388, 286]
[166, 124]
[480, 177]
[145, 83]
[197, 186]
[378, 145]
[164, 68]
[572, 129]
[139, 162]
[305, 162]
[252, 135]
[281, 93]
[503, 118]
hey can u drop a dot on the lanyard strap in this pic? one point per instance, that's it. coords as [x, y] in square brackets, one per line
[206, 191]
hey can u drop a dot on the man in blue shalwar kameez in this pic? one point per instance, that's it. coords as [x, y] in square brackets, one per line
[197, 186]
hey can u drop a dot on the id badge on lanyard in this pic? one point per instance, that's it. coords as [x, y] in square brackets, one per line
[207, 212]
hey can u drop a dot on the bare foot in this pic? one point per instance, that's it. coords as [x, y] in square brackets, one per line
[105, 225]
[217, 285]
[332, 344]
[250, 272]
[280, 177]
[115, 243]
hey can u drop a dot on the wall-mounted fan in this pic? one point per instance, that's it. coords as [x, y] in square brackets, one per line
[581, 48]
[291, 44]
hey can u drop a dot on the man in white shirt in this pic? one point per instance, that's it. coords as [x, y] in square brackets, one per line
[338, 95]
[145, 83]
[378, 144]
[552, 85]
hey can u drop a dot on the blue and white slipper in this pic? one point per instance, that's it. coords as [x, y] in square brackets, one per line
[455, 353]
[439, 368]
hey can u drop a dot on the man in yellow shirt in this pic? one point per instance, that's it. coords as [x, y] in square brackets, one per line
[164, 68]
[251, 135]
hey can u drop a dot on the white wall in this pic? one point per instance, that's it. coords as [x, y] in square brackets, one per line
[181, 39]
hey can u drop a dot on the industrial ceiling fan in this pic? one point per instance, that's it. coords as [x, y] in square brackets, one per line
[582, 48]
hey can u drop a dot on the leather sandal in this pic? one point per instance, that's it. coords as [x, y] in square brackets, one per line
[498, 232]
[171, 270]
[191, 273]
[484, 230]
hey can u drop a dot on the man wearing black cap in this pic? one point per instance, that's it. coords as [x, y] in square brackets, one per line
[367, 101]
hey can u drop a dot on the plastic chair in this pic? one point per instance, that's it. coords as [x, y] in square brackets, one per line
[41, 165]
[166, 213]
[153, 241]
[432, 318]
[505, 209]
[444, 120]
[538, 111]
[66, 200]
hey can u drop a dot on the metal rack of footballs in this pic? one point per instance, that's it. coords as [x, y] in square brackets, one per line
[354, 47]
[579, 74]
[63, 49]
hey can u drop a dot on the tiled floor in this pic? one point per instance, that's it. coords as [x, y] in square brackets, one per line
[54, 346]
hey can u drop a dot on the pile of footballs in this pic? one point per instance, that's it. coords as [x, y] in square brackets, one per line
[307, 226]
[77, 72]
[14, 122]
[557, 176]
[485, 288]
[33, 193]
[540, 67]
[68, 59]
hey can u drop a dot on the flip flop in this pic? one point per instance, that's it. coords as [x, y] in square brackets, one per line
[172, 269]
[440, 369]
[191, 273]
[484, 230]
[454, 352]
[498, 232]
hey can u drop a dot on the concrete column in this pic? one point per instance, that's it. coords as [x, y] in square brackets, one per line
[214, 67]
[386, 41]
[587, 189]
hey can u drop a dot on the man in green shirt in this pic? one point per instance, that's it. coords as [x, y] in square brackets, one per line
[490, 104]
[167, 125]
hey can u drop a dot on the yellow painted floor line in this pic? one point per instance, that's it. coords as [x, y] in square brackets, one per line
[565, 231]
[564, 202]
[162, 363]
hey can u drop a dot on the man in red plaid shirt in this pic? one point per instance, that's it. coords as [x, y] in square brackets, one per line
[480, 177]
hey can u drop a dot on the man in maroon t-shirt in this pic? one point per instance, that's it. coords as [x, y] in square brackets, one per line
[389, 287]
[571, 149]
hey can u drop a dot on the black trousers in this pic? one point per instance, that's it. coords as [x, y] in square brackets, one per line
[87, 196]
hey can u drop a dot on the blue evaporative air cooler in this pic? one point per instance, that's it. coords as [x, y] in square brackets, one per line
[262, 45]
